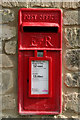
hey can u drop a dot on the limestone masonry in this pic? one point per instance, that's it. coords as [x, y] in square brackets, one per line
[70, 62]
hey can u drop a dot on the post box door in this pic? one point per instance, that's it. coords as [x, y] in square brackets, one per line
[39, 61]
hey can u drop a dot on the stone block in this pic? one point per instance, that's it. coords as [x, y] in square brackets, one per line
[72, 102]
[10, 47]
[6, 78]
[8, 102]
[7, 32]
[5, 61]
[1, 47]
[72, 37]
[14, 3]
[71, 17]
[7, 15]
[72, 79]
[51, 4]
[71, 59]
[71, 4]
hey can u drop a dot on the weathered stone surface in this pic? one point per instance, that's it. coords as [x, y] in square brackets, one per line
[5, 61]
[72, 59]
[1, 32]
[8, 102]
[56, 4]
[0, 103]
[10, 47]
[31, 3]
[0, 15]
[0, 116]
[12, 114]
[75, 117]
[72, 37]
[0, 2]
[7, 15]
[36, 3]
[72, 79]
[14, 3]
[0, 47]
[72, 17]
[40, 3]
[0, 81]
[72, 102]
[60, 116]
[7, 80]
[7, 32]
[71, 4]
[52, 4]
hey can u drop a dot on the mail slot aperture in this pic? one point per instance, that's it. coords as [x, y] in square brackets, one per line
[40, 27]
[39, 61]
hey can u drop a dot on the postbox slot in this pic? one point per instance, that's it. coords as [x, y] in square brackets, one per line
[40, 29]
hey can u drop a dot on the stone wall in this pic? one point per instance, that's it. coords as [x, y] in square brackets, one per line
[9, 57]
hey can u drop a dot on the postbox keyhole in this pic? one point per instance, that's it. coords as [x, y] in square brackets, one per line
[40, 53]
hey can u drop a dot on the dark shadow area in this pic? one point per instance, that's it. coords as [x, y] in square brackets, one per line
[40, 119]
[40, 29]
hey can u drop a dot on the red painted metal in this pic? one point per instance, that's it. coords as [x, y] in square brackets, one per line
[39, 29]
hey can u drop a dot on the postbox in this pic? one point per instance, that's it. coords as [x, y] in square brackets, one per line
[39, 61]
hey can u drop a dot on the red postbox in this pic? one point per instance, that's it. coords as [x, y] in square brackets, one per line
[39, 61]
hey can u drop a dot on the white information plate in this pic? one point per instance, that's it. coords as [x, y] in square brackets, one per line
[39, 76]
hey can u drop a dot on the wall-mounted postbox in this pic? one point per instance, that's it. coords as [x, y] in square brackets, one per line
[39, 61]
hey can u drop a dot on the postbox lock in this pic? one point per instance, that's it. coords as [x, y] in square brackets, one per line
[40, 53]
